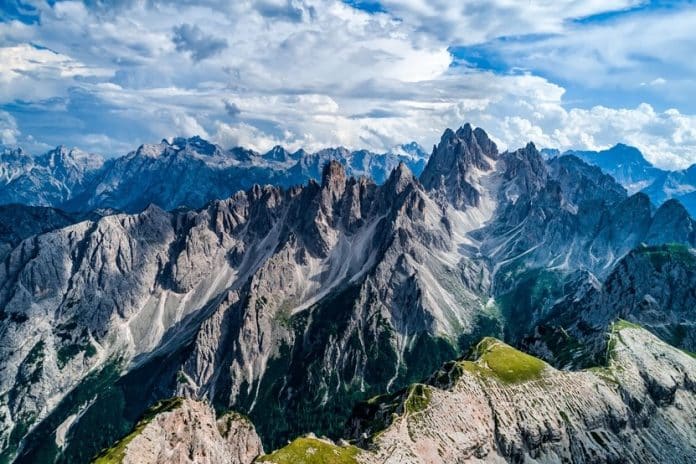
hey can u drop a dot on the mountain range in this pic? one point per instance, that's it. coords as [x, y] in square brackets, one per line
[385, 312]
[75, 181]
[184, 173]
[630, 168]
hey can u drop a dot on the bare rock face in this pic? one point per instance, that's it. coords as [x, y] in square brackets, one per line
[186, 432]
[651, 286]
[455, 160]
[508, 407]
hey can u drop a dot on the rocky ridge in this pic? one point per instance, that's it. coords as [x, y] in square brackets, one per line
[500, 406]
[504, 407]
[628, 166]
[184, 431]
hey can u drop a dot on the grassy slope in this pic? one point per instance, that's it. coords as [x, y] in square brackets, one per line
[308, 450]
[507, 364]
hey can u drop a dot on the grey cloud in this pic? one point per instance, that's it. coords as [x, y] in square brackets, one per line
[232, 109]
[377, 113]
[287, 11]
[192, 39]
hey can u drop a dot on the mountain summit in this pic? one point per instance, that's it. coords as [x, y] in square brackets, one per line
[455, 163]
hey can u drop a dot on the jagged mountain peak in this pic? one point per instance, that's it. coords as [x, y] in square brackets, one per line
[478, 136]
[576, 174]
[63, 157]
[399, 179]
[672, 208]
[455, 164]
[243, 154]
[472, 140]
[333, 174]
[279, 301]
[672, 223]
[280, 154]
[187, 146]
[177, 172]
[625, 163]
[617, 154]
[525, 172]
[335, 151]
[300, 153]
[465, 131]
[197, 144]
[622, 152]
[640, 198]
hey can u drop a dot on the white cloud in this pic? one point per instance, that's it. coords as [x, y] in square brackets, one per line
[317, 73]
[657, 81]
[478, 21]
[667, 139]
[23, 66]
[8, 129]
[625, 52]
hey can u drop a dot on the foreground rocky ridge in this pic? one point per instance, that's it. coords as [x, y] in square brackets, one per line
[652, 286]
[292, 305]
[185, 431]
[500, 406]
[503, 407]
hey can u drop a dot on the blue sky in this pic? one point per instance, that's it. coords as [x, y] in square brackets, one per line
[107, 76]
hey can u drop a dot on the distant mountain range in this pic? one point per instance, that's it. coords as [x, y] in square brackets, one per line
[191, 172]
[186, 172]
[630, 168]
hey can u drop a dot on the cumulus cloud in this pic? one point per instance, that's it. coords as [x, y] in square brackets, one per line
[284, 10]
[646, 46]
[8, 129]
[23, 65]
[477, 21]
[315, 73]
[668, 138]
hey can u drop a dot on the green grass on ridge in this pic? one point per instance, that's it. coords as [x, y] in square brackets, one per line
[306, 450]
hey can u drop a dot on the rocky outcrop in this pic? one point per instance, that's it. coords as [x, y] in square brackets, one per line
[455, 163]
[185, 431]
[500, 406]
[651, 286]
[507, 407]
[626, 164]
[240, 284]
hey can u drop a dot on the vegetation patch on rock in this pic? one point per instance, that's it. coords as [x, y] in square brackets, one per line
[507, 364]
[307, 450]
[418, 398]
[659, 255]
